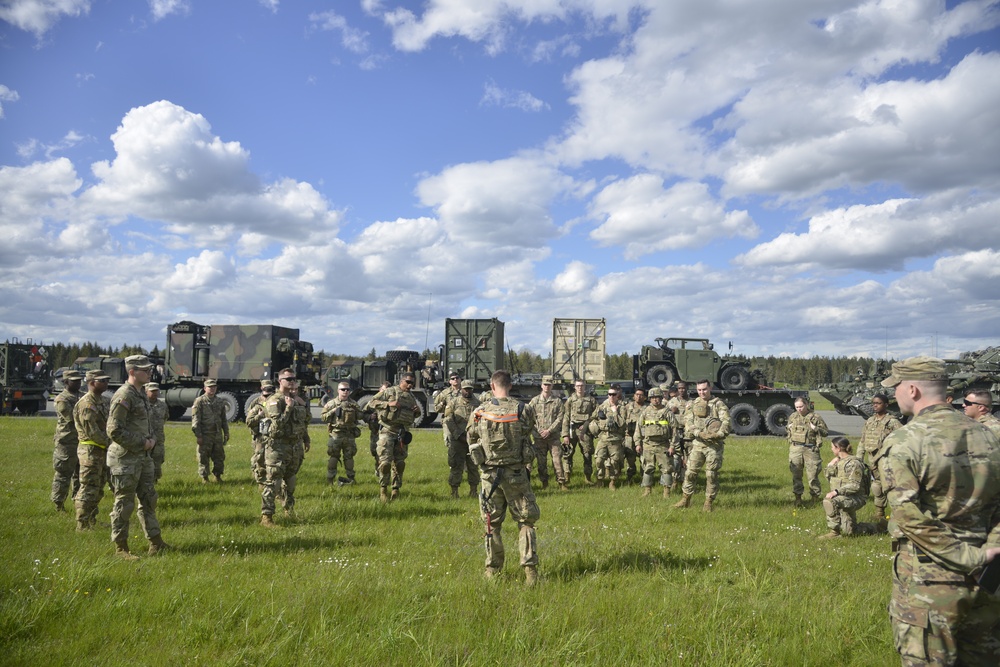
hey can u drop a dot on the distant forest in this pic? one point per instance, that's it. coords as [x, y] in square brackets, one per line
[779, 371]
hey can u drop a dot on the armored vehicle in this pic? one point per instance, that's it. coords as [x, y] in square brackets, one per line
[24, 377]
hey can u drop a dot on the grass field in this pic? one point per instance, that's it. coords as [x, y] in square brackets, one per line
[625, 580]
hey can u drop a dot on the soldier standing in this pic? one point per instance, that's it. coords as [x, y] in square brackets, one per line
[65, 439]
[876, 429]
[343, 417]
[678, 405]
[943, 477]
[609, 427]
[300, 428]
[211, 429]
[281, 425]
[805, 431]
[706, 422]
[157, 419]
[397, 410]
[978, 405]
[129, 460]
[576, 418]
[456, 418]
[547, 416]
[654, 440]
[847, 495]
[500, 445]
[254, 416]
[91, 418]
[632, 412]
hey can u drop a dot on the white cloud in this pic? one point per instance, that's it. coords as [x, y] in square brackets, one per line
[164, 8]
[7, 95]
[352, 39]
[270, 4]
[494, 95]
[643, 217]
[38, 16]
[576, 279]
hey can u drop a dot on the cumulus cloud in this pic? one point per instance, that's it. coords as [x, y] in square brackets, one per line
[163, 8]
[352, 39]
[643, 217]
[494, 95]
[7, 95]
[38, 16]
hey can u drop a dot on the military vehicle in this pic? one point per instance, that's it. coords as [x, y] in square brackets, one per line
[24, 377]
[972, 370]
[753, 406]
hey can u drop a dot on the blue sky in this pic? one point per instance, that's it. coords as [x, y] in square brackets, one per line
[800, 178]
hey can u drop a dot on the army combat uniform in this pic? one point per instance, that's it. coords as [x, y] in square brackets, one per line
[632, 459]
[209, 423]
[344, 419]
[608, 425]
[654, 438]
[679, 405]
[876, 429]
[576, 417]
[991, 422]
[804, 445]
[547, 415]
[499, 443]
[64, 459]
[254, 416]
[283, 427]
[91, 417]
[394, 422]
[456, 418]
[846, 477]
[157, 419]
[707, 424]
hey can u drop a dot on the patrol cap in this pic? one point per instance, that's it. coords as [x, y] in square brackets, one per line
[211, 382]
[152, 386]
[93, 376]
[266, 384]
[138, 361]
[546, 379]
[71, 374]
[916, 369]
[656, 392]
[468, 384]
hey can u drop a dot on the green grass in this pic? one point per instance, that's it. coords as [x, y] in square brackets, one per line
[625, 580]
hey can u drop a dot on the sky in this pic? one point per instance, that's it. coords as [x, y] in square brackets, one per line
[799, 178]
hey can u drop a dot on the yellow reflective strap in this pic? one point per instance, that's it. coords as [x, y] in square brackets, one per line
[91, 443]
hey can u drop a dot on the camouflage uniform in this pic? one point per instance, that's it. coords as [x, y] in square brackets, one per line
[846, 476]
[608, 426]
[254, 416]
[131, 466]
[441, 401]
[91, 417]
[576, 417]
[209, 423]
[876, 429]
[64, 460]
[303, 416]
[804, 445]
[942, 471]
[547, 414]
[654, 436]
[632, 411]
[991, 422]
[456, 417]
[344, 418]
[393, 422]
[707, 448]
[283, 427]
[499, 431]
[679, 405]
[157, 418]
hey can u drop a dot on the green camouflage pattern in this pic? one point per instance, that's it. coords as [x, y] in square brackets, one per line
[343, 418]
[130, 465]
[846, 477]
[804, 455]
[547, 416]
[456, 416]
[91, 417]
[609, 424]
[707, 446]
[799, 429]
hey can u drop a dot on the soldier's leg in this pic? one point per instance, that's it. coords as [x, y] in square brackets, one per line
[555, 448]
[648, 467]
[666, 465]
[496, 511]
[587, 449]
[91, 484]
[398, 465]
[713, 464]
[159, 456]
[204, 457]
[568, 452]
[616, 459]
[350, 448]
[516, 488]
[600, 458]
[384, 449]
[813, 463]
[796, 464]
[832, 515]
[628, 451]
[125, 480]
[146, 494]
[471, 469]
[218, 456]
[456, 466]
[879, 494]
[541, 466]
[273, 482]
[333, 456]
[696, 461]
[290, 480]
[66, 467]
[257, 466]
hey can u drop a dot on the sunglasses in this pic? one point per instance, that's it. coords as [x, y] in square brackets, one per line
[967, 403]
[343, 388]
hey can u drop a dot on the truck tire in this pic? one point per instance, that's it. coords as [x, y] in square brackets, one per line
[776, 418]
[175, 412]
[247, 404]
[232, 405]
[745, 418]
[660, 374]
[734, 378]
[428, 419]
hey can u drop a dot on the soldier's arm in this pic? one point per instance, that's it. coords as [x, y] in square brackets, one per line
[727, 423]
[225, 422]
[378, 401]
[118, 428]
[852, 483]
[65, 410]
[196, 416]
[566, 420]
[821, 428]
[557, 418]
[92, 426]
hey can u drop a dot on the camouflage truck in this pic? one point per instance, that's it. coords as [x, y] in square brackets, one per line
[972, 370]
[24, 377]
[753, 406]
[238, 356]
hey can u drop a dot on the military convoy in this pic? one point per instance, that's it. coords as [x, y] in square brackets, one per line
[24, 377]
[972, 370]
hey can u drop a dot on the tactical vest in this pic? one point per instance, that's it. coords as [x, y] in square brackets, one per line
[499, 429]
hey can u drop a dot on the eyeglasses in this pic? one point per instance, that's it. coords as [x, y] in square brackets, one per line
[288, 379]
[968, 403]
[612, 393]
[343, 388]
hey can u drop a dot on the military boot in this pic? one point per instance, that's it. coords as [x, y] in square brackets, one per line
[82, 526]
[383, 495]
[646, 491]
[611, 484]
[156, 545]
[60, 507]
[454, 492]
[798, 500]
[563, 487]
[121, 550]
[545, 484]
[707, 507]
[590, 482]
[684, 502]
[666, 491]
[491, 573]
[473, 490]
[290, 513]
[530, 575]
[814, 498]
[267, 521]
[204, 479]
[832, 534]
[881, 525]
[218, 478]
[394, 495]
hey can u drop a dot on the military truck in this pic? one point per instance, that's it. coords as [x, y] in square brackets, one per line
[753, 406]
[366, 378]
[24, 377]
[238, 356]
[972, 370]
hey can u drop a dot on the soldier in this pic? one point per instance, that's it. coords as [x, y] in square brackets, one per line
[609, 427]
[397, 410]
[300, 425]
[254, 416]
[632, 411]
[130, 461]
[499, 444]
[211, 429]
[343, 416]
[576, 418]
[654, 440]
[64, 458]
[282, 423]
[91, 418]
[547, 416]
[371, 418]
[805, 431]
[678, 404]
[876, 429]
[943, 477]
[706, 422]
[978, 405]
[456, 418]
[445, 396]
[848, 490]
[157, 418]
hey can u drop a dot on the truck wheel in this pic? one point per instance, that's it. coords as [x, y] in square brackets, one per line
[660, 374]
[745, 418]
[429, 419]
[175, 412]
[232, 405]
[734, 378]
[249, 403]
[776, 418]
